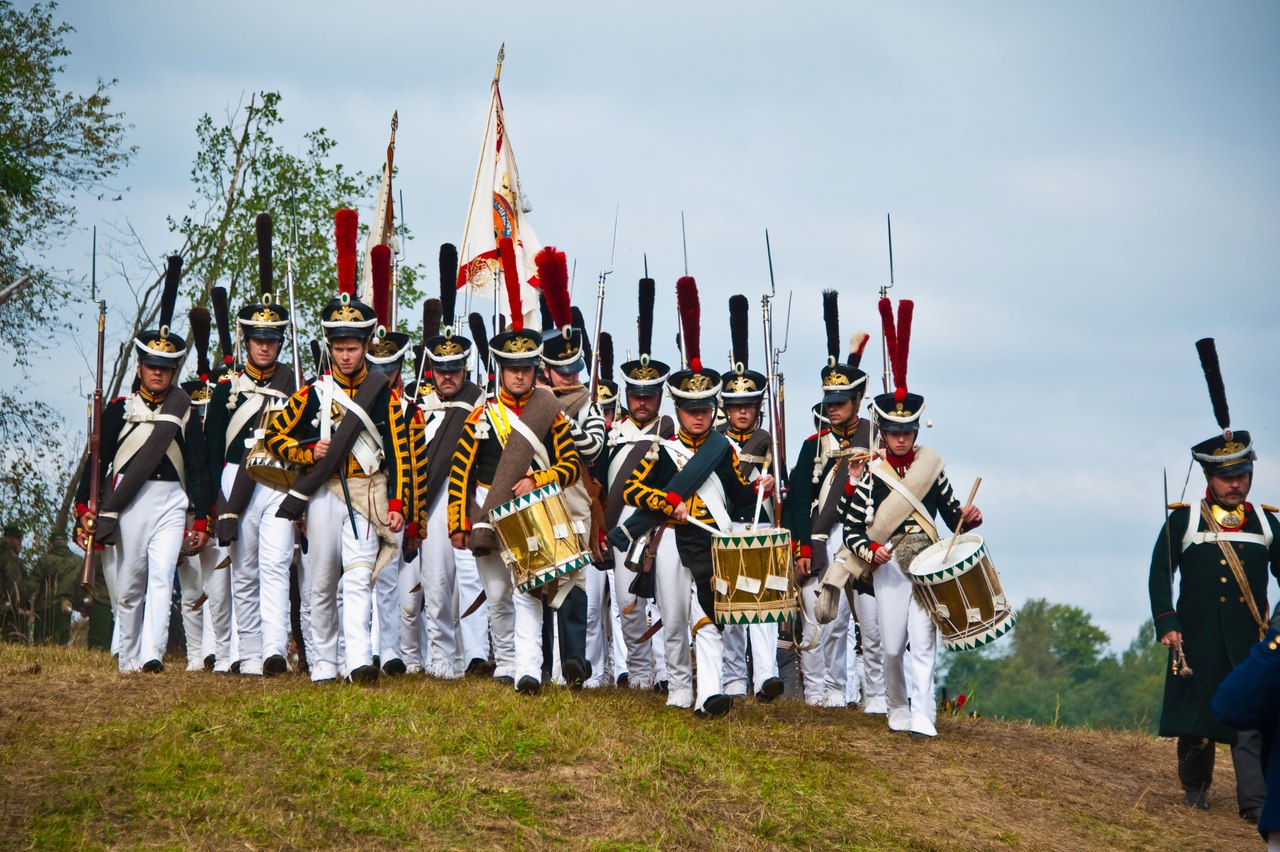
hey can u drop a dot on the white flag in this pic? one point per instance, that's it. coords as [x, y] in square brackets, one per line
[499, 209]
[382, 228]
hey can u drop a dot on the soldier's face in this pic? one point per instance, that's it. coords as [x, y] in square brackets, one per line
[899, 443]
[262, 353]
[1230, 491]
[348, 354]
[840, 413]
[697, 422]
[560, 380]
[155, 379]
[741, 416]
[517, 381]
[447, 382]
[643, 408]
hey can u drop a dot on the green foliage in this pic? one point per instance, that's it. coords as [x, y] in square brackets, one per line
[1055, 672]
[54, 145]
[241, 171]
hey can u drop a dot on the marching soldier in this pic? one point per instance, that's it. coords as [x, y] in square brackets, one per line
[835, 455]
[606, 652]
[155, 473]
[563, 346]
[630, 443]
[447, 577]
[692, 484]
[1225, 548]
[261, 544]
[885, 531]
[742, 395]
[517, 442]
[347, 429]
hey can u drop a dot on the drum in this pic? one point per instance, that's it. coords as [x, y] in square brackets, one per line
[540, 540]
[266, 467]
[963, 595]
[752, 577]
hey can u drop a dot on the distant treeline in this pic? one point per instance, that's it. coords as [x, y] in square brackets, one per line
[1056, 671]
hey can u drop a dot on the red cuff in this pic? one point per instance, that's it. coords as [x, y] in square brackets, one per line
[396, 505]
[875, 545]
[200, 525]
[849, 488]
[806, 552]
[674, 499]
[81, 508]
[411, 531]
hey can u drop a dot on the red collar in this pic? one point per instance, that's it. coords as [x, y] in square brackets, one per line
[901, 463]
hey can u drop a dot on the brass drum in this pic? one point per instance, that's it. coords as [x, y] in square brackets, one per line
[963, 594]
[266, 467]
[540, 540]
[752, 577]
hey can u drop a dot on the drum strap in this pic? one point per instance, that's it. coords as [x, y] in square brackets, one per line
[711, 490]
[1237, 567]
[624, 462]
[447, 424]
[886, 474]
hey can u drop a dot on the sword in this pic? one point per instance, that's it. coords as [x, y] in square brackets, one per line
[475, 604]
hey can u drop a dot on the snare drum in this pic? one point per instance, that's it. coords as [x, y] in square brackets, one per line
[963, 595]
[266, 467]
[752, 577]
[540, 540]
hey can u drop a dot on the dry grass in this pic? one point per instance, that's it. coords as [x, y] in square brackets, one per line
[94, 759]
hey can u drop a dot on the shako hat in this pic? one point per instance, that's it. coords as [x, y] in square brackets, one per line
[562, 342]
[346, 316]
[161, 346]
[444, 348]
[606, 387]
[263, 319]
[739, 384]
[695, 386]
[1231, 453]
[644, 376]
[515, 346]
[841, 381]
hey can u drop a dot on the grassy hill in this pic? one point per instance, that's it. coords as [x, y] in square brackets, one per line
[91, 758]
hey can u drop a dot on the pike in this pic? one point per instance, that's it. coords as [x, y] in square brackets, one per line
[595, 340]
[776, 383]
[684, 243]
[95, 427]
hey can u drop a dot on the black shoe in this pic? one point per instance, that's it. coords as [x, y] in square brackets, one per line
[770, 689]
[716, 705]
[479, 667]
[363, 674]
[235, 667]
[274, 665]
[529, 686]
[576, 671]
[1196, 797]
[208, 663]
[505, 680]
[662, 687]
[377, 661]
[394, 667]
[153, 666]
[1251, 815]
[623, 681]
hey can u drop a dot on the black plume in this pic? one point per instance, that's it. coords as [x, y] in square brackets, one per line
[264, 226]
[644, 321]
[431, 314]
[315, 354]
[831, 319]
[1213, 375]
[738, 332]
[201, 323]
[169, 296]
[476, 323]
[548, 322]
[222, 314]
[606, 356]
[448, 281]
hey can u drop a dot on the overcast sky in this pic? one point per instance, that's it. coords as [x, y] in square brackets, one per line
[1079, 191]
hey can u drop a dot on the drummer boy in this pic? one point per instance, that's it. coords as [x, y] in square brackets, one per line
[693, 484]
[887, 530]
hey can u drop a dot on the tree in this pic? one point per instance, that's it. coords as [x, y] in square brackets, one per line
[54, 146]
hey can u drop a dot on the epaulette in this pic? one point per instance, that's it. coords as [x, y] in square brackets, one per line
[1266, 508]
[118, 399]
[1177, 505]
[476, 414]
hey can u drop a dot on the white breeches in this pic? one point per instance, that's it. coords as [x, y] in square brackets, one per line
[903, 620]
[339, 554]
[681, 612]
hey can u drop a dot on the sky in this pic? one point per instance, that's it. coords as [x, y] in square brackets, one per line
[1078, 191]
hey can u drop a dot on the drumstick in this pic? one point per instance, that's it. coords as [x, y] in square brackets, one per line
[946, 558]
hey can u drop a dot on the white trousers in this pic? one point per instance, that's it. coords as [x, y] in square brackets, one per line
[339, 555]
[495, 576]
[903, 620]
[599, 632]
[645, 664]
[260, 559]
[825, 666]
[762, 639]
[151, 529]
[413, 628]
[192, 612]
[681, 612]
[867, 613]
[217, 609]
[449, 583]
[386, 599]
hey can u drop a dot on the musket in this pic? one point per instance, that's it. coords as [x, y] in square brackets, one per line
[95, 429]
[775, 381]
[684, 243]
[595, 340]
[288, 277]
[1178, 663]
[884, 294]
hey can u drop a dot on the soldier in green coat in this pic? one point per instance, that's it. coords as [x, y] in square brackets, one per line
[1224, 550]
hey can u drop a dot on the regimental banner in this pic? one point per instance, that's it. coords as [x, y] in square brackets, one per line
[499, 209]
[382, 228]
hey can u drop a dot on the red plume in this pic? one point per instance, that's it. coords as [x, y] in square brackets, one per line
[897, 340]
[553, 272]
[511, 275]
[345, 226]
[380, 263]
[690, 319]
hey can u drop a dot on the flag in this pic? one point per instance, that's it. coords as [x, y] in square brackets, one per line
[382, 228]
[499, 209]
